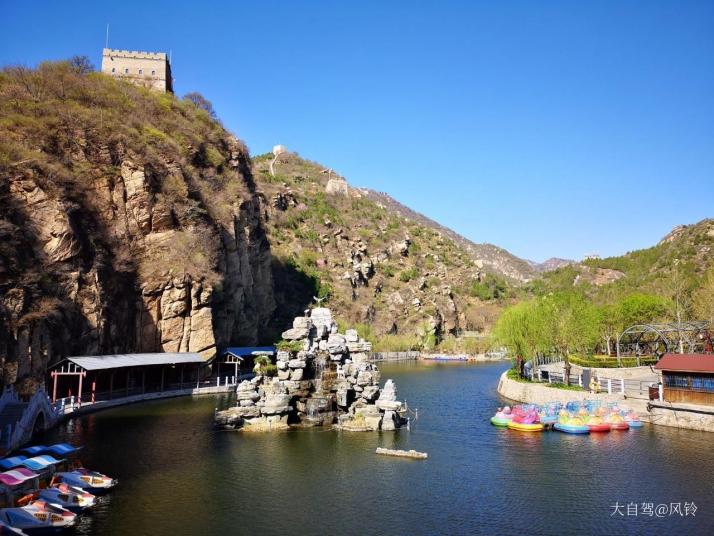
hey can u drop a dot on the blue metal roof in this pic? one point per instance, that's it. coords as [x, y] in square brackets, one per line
[241, 351]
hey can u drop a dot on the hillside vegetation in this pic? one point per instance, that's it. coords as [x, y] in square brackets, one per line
[407, 285]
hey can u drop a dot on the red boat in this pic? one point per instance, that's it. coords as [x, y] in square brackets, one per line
[620, 426]
[604, 427]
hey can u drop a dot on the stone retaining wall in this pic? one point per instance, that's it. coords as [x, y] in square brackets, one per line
[536, 393]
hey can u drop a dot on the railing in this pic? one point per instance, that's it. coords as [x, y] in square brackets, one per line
[607, 385]
[546, 360]
[21, 432]
[67, 405]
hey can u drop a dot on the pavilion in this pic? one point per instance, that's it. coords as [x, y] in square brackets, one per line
[103, 377]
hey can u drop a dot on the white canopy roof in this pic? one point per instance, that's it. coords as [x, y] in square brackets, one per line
[101, 362]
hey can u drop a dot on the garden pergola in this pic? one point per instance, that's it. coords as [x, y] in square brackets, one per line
[658, 339]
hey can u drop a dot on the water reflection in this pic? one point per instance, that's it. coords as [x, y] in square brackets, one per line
[179, 476]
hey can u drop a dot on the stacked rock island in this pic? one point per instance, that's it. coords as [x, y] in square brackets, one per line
[321, 378]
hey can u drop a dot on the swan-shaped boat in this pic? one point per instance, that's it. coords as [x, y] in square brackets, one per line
[525, 420]
[502, 417]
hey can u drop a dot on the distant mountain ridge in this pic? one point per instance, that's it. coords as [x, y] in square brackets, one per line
[494, 259]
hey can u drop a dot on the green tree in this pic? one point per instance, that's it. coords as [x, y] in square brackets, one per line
[704, 298]
[574, 324]
[521, 329]
[641, 309]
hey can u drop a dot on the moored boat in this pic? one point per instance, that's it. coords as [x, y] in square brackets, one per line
[596, 423]
[502, 417]
[571, 428]
[571, 424]
[38, 517]
[526, 427]
[89, 481]
[68, 497]
[525, 419]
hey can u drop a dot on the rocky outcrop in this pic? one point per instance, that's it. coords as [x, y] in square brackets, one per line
[328, 381]
[337, 186]
[113, 244]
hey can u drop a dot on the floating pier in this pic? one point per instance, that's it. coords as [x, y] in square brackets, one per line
[403, 453]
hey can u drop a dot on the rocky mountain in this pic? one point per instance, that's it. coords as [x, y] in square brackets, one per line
[129, 221]
[550, 264]
[681, 258]
[492, 259]
[398, 275]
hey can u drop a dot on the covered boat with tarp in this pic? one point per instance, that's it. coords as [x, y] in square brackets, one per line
[58, 449]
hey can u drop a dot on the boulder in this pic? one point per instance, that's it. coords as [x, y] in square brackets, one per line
[295, 334]
[297, 363]
[370, 392]
[302, 322]
[276, 403]
[284, 374]
[364, 377]
[359, 346]
[351, 335]
[296, 374]
[336, 344]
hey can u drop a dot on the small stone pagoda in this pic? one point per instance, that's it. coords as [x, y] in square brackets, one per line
[321, 378]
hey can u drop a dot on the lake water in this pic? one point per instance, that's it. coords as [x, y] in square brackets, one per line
[179, 476]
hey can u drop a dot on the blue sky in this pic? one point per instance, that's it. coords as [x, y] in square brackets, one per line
[548, 128]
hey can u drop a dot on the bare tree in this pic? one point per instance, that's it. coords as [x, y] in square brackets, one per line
[81, 64]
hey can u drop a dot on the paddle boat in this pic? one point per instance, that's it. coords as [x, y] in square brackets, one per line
[596, 423]
[633, 420]
[16, 483]
[38, 516]
[88, 481]
[549, 414]
[616, 421]
[502, 417]
[571, 424]
[68, 497]
[525, 420]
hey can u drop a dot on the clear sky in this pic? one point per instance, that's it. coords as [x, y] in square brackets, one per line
[548, 128]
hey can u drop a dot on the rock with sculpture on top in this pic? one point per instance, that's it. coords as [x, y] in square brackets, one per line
[320, 378]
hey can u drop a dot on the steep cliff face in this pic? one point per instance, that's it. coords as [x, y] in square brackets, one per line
[128, 222]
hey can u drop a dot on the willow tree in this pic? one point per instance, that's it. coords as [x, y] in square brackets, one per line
[573, 325]
[521, 329]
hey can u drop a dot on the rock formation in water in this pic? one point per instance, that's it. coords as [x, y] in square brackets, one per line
[325, 379]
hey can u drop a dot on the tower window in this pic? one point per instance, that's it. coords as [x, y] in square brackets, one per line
[141, 71]
[126, 71]
[113, 69]
[153, 73]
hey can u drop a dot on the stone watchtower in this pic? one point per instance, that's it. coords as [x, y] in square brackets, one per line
[148, 69]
